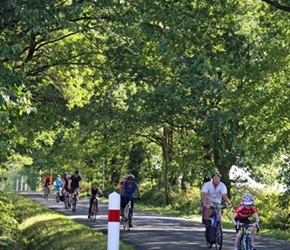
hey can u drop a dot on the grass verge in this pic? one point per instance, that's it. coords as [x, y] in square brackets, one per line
[42, 228]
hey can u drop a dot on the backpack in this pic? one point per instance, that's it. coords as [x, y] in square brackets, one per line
[210, 234]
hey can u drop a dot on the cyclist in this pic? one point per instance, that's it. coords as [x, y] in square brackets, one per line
[212, 193]
[242, 213]
[57, 186]
[74, 185]
[127, 193]
[93, 191]
[122, 181]
[47, 181]
[65, 182]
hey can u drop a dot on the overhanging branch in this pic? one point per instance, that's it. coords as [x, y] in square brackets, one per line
[277, 5]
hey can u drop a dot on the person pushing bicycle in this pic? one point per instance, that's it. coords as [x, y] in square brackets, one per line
[127, 193]
[212, 194]
[93, 192]
[242, 213]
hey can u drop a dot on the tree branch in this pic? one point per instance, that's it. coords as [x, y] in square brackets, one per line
[277, 5]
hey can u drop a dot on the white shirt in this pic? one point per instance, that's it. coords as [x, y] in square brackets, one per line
[214, 193]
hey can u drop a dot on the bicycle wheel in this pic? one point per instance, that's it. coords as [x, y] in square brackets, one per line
[247, 243]
[66, 202]
[125, 218]
[74, 204]
[46, 193]
[94, 212]
[219, 237]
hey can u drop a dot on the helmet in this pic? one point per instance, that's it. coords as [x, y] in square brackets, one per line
[132, 176]
[216, 173]
[126, 176]
[248, 199]
[95, 181]
[77, 172]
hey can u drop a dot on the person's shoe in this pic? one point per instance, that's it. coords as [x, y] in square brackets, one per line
[89, 216]
[131, 225]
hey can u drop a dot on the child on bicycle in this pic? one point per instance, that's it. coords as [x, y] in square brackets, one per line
[93, 192]
[57, 186]
[242, 213]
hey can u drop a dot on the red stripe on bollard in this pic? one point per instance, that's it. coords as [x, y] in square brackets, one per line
[113, 215]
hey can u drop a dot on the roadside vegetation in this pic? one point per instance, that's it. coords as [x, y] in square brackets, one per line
[36, 227]
[275, 220]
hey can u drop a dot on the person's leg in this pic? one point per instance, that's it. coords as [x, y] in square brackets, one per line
[123, 205]
[207, 211]
[71, 192]
[238, 237]
[252, 231]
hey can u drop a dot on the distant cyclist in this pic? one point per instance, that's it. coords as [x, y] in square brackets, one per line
[74, 185]
[57, 186]
[65, 182]
[93, 192]
[47, 181]
[124, 180]
[242, 213]
[128, 193]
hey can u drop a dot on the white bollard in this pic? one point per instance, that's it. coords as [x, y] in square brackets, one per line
[113, 221]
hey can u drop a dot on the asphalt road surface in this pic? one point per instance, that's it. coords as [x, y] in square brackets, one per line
[152, 231]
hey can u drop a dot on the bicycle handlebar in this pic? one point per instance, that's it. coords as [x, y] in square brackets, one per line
[218, 207]
[241, 225]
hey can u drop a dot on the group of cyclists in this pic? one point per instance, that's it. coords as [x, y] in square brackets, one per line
[71, 184]
[212, 193]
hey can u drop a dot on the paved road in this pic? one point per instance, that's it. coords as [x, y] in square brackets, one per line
[154, 232]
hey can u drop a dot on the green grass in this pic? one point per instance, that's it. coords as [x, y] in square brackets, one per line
[167, 210]
[42, 228]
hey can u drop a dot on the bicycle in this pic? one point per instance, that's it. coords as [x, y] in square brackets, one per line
[46, 192]
[95, 208]
[74, 202]
[66, 199]
[216, 224]
[127, 215]
[245, 241]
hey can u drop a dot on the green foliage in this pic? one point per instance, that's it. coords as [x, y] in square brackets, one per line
[9, 225]
[94, 86]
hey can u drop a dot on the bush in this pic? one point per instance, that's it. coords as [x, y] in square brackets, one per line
[9, 225]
